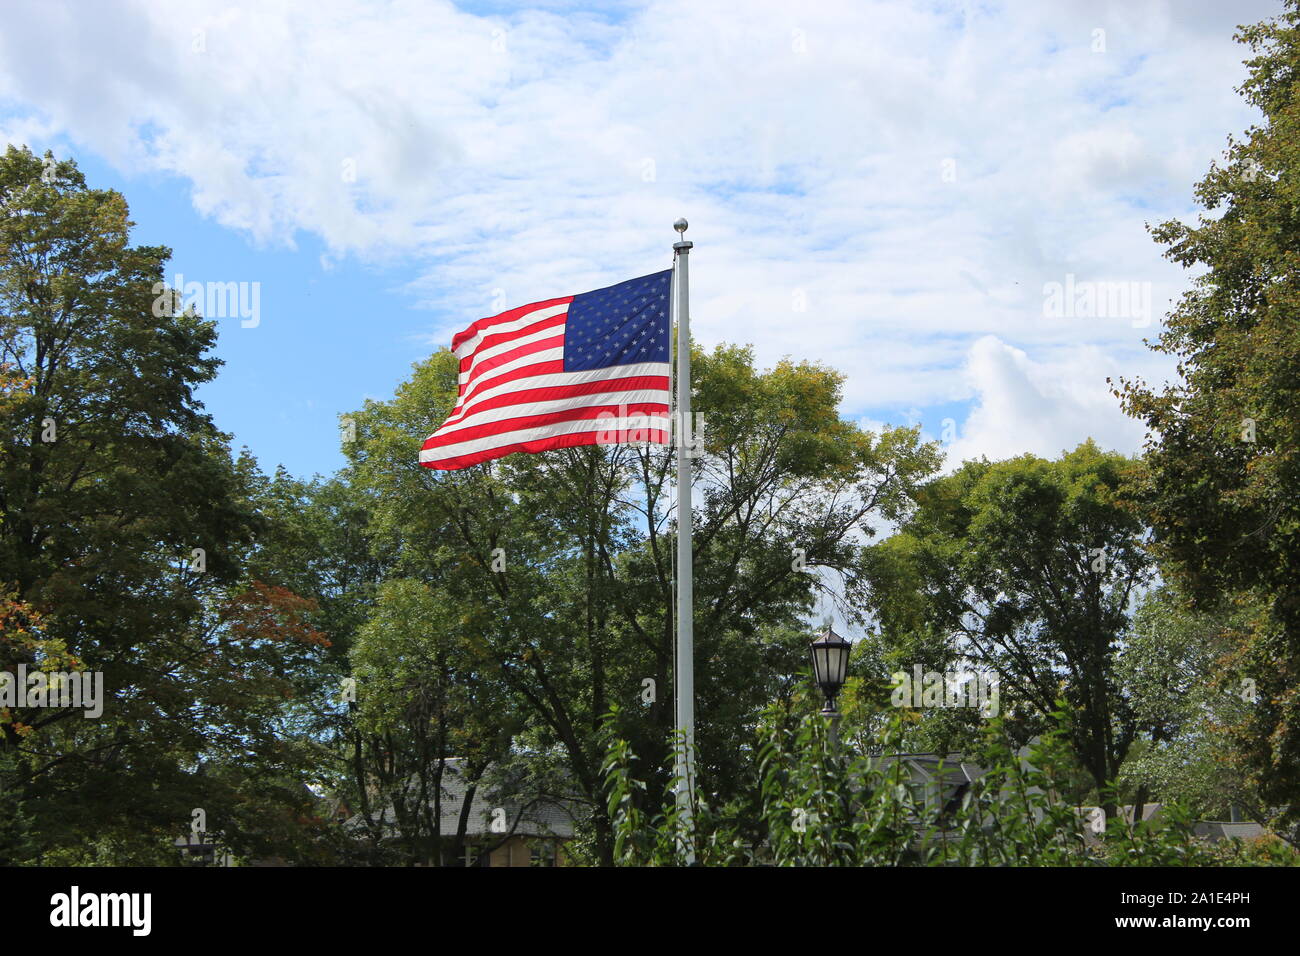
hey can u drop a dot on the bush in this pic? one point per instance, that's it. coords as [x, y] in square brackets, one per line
[815, 806]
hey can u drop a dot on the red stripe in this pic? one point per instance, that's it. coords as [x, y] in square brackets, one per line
[497, 361]
[465, 363]
[508, 316]
[526, 371]
[522, 422]
[539, 444]
[490, 340]
[554, 392]
[496, 338]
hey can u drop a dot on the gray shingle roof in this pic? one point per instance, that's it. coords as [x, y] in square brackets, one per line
[524, 814]
[1214, 830]
[537, 815]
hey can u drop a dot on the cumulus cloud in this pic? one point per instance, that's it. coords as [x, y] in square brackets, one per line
[876, 185]
[1040, 407]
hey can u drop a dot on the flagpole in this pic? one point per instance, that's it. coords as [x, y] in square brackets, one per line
[685, 670]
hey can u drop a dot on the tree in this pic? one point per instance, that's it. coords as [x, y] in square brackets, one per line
[316, 543]
[562, 562]
[1222, 488]
[819, 808]
[124, 525]
[425, 694]
[1171, 665]
[1027, 567]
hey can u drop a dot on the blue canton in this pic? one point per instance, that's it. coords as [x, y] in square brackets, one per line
[621, 325]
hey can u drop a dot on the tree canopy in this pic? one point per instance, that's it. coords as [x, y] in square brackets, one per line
[1025, 568]
[1223, 456]
[124, 527]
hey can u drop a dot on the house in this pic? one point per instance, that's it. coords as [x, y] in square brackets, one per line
[506, 824]
[518, 831]
[1210, 831]
[1215, 830]
[937, 782]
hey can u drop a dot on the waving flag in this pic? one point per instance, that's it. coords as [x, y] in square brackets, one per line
[579, 370]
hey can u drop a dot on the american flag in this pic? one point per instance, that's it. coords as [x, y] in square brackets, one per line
[578, 370]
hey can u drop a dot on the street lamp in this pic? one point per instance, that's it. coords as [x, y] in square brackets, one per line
[830, 660]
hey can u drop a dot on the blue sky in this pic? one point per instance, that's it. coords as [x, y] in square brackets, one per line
[889, 188]
[326, 338]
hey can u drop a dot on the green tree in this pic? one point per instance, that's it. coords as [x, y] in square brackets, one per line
[1171, 666]
[316, 543]
[562, 562]
[1222, 486]
[124, 524]
[1027, 568]
[425, 694]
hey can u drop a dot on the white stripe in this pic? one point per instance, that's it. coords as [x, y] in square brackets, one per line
[556, 405]
[528, 318]
[464, 377]
[484, 381]
[548, 380]
[502, 347]
[659, 422]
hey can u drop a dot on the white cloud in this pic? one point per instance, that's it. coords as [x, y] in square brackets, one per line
[915, 172]
[1044, 407]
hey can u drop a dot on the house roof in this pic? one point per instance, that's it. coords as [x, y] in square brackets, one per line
[491, 814]
[1217, 830]
[538, 815]
[949, 769]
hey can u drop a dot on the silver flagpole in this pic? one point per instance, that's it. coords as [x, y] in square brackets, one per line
[685, 675]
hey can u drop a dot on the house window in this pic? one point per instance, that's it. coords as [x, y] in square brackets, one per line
[541, 853]
[469, 854]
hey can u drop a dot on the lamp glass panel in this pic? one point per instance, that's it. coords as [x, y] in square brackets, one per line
[838, 662]
[821, 666]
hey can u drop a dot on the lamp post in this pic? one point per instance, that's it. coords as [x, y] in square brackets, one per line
[830, 660]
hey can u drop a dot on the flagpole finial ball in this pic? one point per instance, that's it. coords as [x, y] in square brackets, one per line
[680, 225]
